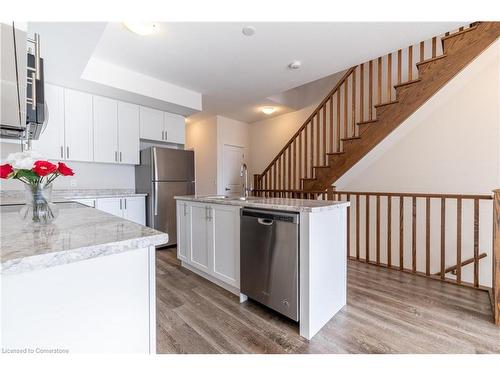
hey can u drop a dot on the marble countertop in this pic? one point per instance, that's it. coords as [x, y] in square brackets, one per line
[78, 233]
[283, 204]
[17, 196]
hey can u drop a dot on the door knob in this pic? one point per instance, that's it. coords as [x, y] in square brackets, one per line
[227, 189]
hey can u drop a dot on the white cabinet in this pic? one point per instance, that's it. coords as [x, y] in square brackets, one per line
[201, 227]
[209, 239]
[174, 128]
[162, 126]
[116, 131]
[78, 126]
[152, 124]
[183, 230]
[105, 130]
[130, 208]
[128, 133]
[134, 209]
[51, 141]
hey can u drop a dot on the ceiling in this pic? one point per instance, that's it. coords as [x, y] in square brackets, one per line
[237, 74]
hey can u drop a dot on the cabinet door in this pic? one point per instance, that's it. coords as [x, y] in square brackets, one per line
[134, 209]
[112, 206]
[225, 246]
[51, 141]
[151, 124]
[199, 256]
[183, 230]
[78, 126]
[128, 133]
[174, 128]
[105, 130]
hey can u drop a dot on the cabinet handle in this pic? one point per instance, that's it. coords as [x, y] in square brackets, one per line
[62, 152]
[94, 204]
[166, 134]
[185, 207]
[116, 156]
[120, 203]
[125, 203]
[67, 152]
[162, 135]
[120, 162]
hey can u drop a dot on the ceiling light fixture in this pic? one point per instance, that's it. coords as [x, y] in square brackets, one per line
[294, 65]
[268, 110]
[248, 30]
[141, 28]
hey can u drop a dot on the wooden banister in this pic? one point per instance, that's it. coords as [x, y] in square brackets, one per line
[454, 269]
[495, 286]
[310, 118]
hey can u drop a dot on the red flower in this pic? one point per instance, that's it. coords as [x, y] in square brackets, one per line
[64, 169]
[43, 168]
[6, 170]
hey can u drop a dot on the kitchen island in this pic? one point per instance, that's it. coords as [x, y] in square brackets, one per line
[85, 283]
[208, 231]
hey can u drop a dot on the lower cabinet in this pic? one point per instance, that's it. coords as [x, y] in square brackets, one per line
[209, 239]
[130, 208]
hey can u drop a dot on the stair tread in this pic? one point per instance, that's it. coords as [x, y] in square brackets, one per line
[431, 59]
[472, 28]
[367, 122]
[386, 103]
[407, 83]
[350, 138]
[336, 153]
[321, 166]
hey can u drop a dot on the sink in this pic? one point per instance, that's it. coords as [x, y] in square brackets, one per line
[243, 198]
[216, 197]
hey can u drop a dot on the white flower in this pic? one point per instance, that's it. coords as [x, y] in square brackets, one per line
[23, 160]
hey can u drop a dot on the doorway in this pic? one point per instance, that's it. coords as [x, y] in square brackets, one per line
[233, 157]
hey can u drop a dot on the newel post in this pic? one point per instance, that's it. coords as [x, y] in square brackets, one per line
[496, 257]
[330, 193]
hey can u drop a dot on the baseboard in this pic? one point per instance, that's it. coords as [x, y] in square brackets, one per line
[222, 284]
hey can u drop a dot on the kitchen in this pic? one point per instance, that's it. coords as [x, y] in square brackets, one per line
[74, 229]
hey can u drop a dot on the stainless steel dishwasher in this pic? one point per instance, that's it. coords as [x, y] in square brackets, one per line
[269, 260]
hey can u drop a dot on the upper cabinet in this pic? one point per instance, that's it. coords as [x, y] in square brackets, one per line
[162, 126]
[174, 128]
[128, 133]
[152, 127]
[51, 142]
[78, 126]
[105, 130]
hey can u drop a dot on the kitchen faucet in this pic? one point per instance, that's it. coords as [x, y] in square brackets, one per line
[244, 173]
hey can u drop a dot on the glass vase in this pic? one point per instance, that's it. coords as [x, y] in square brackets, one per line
[39, 208]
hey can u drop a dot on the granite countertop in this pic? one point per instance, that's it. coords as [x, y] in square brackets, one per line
[78, 233]
[17, 196]
[283, 204]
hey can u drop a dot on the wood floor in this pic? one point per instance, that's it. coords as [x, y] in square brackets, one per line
[387, 312]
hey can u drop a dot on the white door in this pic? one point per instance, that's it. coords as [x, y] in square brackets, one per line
[105, 130]
[232, 160]
[134, 209]
[175, 128]
[113, 206]
[51, 141]
[78, 125]
[128, 133]
[199, 256]
[151, 124]
[183, 230]
[226, 244]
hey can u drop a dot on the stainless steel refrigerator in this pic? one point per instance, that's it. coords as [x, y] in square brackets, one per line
[163, 174]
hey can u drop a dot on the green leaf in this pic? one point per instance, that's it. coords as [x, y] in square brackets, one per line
[27, 174]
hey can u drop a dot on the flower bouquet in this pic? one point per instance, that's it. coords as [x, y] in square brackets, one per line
[37, 176]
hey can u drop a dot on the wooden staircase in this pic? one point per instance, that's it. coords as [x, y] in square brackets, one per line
[367, 104]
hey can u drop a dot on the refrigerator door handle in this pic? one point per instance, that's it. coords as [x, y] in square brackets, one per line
[155, 165]
[155, 198]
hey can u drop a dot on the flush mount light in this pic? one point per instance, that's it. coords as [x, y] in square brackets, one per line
[294, 65]
[248, 30]
[141, 28]
[268, 110]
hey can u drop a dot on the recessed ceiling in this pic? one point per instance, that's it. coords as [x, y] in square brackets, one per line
[235, 73]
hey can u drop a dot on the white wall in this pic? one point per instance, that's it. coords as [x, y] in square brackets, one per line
[87, 175]
[267, 137]
[201, 136]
